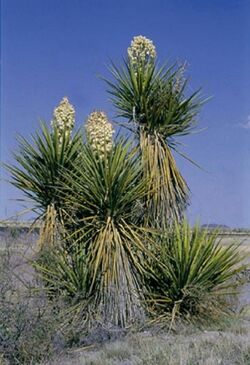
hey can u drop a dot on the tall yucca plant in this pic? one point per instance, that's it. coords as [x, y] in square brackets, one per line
[38, 169]
[102, 197]
[155, 103]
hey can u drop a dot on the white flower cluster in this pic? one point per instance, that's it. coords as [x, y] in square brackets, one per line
[99, 132]
[64, 117]
[141, 50]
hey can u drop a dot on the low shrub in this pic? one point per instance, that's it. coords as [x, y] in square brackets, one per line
[192, 270]
[26, 331]
[28, 323]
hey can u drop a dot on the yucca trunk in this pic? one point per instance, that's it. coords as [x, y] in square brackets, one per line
[52, 227]
[117, 292]
[48, 229]
[167, 192]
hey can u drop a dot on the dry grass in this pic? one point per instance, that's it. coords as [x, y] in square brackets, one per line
[192, 347]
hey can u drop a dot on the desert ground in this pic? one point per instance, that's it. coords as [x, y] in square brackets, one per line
[225, 342]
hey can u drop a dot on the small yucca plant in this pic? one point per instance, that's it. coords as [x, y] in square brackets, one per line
[155, 103]
[192, 267]
[64, 272]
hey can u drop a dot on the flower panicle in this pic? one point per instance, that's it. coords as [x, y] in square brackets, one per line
[64, 118]
[141, 51]
[99, 132]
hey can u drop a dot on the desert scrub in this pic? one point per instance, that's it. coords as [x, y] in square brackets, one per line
[27, 324]
[33, 328]
[27, 330]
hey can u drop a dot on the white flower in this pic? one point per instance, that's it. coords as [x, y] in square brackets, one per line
[141, 50]
[64, 118]
[99, 132]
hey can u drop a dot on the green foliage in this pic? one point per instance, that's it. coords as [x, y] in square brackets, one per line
[64, 271]
[154, 99]
[150, 97]
[40, 164]
[192, 267]
[102, 188]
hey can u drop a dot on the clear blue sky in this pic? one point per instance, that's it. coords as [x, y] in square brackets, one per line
[56, 48]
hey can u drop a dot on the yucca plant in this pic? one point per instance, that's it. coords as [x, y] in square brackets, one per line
[39, 167]
[101, 197]
[154, 101]
[64, 272]
[192, 268]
